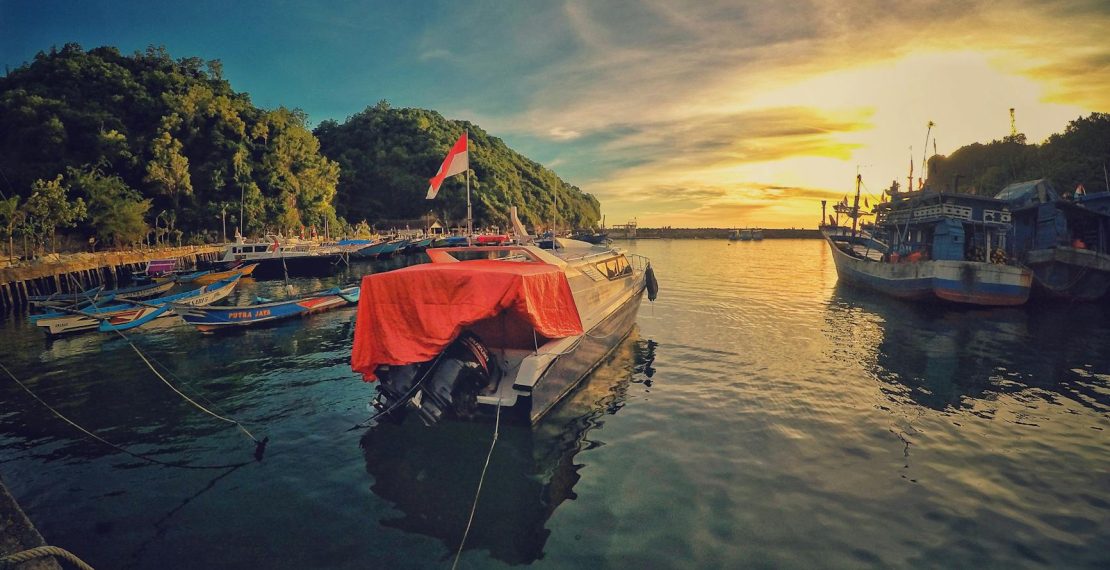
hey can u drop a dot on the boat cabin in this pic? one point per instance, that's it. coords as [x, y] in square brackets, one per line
[942, 226]
[1043, 219]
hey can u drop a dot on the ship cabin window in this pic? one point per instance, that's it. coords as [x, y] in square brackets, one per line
[236, 250]
[614, 268]
[260, 248]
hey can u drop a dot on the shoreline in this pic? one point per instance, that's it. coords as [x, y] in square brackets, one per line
[711, 233]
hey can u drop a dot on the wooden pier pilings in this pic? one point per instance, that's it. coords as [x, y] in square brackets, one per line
[76, 272]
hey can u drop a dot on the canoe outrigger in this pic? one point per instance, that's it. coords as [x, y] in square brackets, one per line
[129, 314]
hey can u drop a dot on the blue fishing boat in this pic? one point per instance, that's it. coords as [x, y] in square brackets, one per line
[99, 295]
[209, 319]
[371, 251]
[1064, 242]
[129, 314]
[451, 241]
[932, 245]
[393, 247]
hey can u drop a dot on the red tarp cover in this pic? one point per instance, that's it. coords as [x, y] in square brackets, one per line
[410, 315]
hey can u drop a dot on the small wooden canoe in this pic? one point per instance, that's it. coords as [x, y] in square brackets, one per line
[213, 276]
[210, 319]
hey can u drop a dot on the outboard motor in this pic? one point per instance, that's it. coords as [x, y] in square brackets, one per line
[449, 384]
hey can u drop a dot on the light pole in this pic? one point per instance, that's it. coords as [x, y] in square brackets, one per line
[223, 222]
[157, 236]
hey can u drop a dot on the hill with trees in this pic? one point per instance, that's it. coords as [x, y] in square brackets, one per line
[1076, 156]
[387, 155]
[144, 139]
[143, 147]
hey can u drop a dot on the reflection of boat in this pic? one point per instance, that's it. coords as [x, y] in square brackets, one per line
[931, 245]
[1065, 244]
[426, 473]
[951, 360]
[211, 318]
[514, 326]
[130, 314]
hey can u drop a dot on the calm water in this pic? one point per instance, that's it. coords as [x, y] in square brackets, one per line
[759, 415]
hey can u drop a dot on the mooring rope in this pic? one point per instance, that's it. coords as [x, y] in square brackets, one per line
[101, 439]
[13, 560]
[478, 492]
[182, 394]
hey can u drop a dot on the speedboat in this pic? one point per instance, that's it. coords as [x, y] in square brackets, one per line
[506, 330]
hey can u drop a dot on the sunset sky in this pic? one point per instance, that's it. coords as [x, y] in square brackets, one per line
[682, 113]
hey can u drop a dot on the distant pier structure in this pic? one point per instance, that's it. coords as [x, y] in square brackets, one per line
[623, 231]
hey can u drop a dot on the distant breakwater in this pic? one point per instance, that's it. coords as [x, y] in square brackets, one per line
[711, 233]
[65, 273]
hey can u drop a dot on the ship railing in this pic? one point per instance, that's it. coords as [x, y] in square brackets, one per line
[638, 262]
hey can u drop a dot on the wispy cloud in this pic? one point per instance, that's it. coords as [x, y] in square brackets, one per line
[719, 99]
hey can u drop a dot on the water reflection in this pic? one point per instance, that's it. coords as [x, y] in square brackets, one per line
[949, 358]
[430, 474]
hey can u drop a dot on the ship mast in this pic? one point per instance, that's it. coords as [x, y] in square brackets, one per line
[855, 205]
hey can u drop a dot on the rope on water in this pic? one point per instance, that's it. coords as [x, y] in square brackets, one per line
[260, 446]
[102, 440]
[13, 560]
[478, 493]
[182, 394]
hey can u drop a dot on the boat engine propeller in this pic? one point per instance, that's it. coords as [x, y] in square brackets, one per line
[450, 384]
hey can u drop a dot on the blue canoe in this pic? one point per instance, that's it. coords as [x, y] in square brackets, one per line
[211, 318]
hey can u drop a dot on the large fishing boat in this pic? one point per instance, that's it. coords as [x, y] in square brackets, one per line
[277, 257]
[1064, 242]
[501, 327]
[932, 245]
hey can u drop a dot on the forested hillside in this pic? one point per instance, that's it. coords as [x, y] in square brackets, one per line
[387, 155]
[142, 147]
[158, 142]
[1076, 156]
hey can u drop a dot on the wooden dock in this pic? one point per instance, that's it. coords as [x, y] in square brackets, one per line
[74, 272]
[18, 534]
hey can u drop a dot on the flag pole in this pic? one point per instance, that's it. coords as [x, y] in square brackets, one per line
[469, 221]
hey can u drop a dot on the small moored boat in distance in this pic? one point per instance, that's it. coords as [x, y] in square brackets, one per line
[932, 245]
[210, 318]
[479, 329]
[211, 276]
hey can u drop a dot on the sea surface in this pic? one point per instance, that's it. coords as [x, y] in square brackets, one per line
[759, 415]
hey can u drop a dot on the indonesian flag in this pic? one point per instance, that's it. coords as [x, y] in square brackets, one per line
[457, 162]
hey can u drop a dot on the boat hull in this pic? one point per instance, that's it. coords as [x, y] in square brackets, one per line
[1069, 273]
[301, 265]
[213, 319]
[965, 282]
[594, 346]
[120, 318]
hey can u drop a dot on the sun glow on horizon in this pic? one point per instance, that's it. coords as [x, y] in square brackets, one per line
[881, 110]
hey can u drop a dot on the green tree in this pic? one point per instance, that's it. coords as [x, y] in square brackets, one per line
[116, 212]
[49, 208]
[11, 217]
[168, 169]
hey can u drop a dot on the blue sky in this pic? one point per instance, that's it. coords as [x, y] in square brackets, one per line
[708, 113]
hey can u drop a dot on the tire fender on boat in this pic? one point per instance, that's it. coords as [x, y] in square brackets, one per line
[652, 284]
